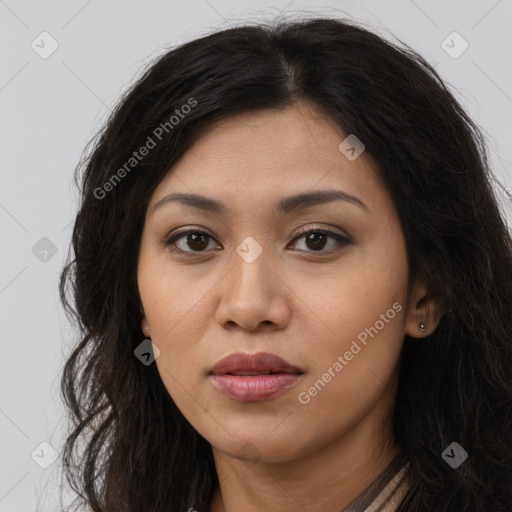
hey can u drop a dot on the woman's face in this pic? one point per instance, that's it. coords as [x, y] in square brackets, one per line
[250, 282]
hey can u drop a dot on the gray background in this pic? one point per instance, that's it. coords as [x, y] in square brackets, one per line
[49, 109]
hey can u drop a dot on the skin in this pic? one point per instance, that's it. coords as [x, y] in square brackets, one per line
[304, 305]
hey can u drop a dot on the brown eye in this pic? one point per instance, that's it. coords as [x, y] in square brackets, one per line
[196, 241]
[315, 240]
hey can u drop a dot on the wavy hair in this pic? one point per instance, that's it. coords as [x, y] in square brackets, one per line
[140, 452]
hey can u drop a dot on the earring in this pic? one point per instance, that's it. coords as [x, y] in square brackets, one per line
[422, 327]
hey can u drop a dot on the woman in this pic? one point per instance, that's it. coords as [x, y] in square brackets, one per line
[293, 285]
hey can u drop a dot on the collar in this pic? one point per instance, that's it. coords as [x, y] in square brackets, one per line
[386, 491]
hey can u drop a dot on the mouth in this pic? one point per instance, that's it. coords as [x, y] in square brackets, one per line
[243, 373]
[260, 363]
[253, 377]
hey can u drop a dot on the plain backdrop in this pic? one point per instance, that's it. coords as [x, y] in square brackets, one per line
[51, 105]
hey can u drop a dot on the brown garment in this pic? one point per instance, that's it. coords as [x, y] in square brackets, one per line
[386, 492]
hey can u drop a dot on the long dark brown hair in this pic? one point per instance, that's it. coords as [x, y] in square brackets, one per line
[139, 452]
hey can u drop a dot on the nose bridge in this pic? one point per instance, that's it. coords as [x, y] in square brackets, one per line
[252, 277]
[251, 293]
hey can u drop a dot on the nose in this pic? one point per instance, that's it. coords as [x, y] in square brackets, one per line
[252, 296]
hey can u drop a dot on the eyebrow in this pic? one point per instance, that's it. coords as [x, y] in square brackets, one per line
[283, 207]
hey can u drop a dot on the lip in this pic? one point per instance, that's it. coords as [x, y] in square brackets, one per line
[245, 377]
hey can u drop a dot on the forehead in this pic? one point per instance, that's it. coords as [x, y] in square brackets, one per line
[267, 154]
[269, 137]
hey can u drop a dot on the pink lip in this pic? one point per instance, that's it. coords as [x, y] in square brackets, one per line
[254, 388]
[258, 385]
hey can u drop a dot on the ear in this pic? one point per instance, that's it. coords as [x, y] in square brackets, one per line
[145, 325]
[423, 310]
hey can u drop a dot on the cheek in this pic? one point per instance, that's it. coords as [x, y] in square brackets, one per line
[175, 313]
[354, 371]
[178, 307]
[177, 322]
[362, 349]
[170, 297]
[362, 314]
[359, 294]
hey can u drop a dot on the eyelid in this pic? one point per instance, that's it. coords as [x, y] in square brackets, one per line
[185, 231]
[319, 227]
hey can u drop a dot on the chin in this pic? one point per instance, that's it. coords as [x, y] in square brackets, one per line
[259, 448]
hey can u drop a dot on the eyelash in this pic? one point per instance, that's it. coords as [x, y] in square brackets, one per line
[341, 240]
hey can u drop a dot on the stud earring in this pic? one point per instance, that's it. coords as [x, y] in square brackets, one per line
[422, 327]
